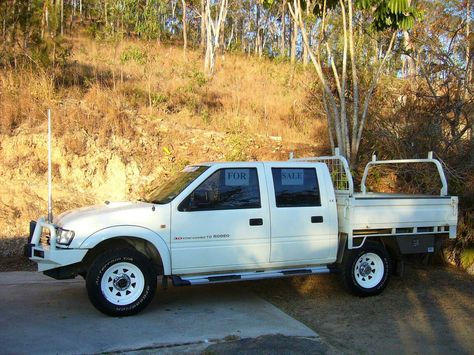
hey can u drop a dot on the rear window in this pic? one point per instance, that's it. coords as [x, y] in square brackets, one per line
[296, 187]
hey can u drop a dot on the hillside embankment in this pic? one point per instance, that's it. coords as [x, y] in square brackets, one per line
[127, 116]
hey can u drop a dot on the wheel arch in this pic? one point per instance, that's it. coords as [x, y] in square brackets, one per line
[142, 239]
[389, 243]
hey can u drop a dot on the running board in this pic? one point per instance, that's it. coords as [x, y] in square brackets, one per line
[246, 276]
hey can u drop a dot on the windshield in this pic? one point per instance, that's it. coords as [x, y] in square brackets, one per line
[167, 191]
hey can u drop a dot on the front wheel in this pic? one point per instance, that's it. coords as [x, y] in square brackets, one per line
[366, 271]
[121, 282]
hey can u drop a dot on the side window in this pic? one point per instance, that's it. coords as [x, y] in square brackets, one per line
[296, 187]
[224, 190]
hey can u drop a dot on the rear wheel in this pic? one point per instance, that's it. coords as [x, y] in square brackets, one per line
[366, 271]
[121, 282]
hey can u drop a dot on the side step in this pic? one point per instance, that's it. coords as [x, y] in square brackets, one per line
[246, 276]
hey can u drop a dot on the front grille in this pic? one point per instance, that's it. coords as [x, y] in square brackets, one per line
[45, 237]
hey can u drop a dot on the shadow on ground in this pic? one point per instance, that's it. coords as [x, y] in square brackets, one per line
[269, 345]
[429, 310]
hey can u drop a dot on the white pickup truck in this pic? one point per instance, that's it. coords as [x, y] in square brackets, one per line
[235, 221]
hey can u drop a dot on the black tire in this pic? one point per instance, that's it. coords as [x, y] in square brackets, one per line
[366, 271]
[121, 282]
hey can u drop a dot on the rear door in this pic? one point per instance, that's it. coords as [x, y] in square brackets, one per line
[303, 212]
[223, 223]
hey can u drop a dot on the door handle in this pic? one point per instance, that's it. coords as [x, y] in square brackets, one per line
[256, 222]
[317, 219]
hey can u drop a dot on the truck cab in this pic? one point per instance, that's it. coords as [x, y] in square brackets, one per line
[241, 216]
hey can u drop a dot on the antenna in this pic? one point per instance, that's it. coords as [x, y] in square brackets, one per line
[50, 202]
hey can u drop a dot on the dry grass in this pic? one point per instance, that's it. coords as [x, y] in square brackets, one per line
[110, 85]
[127, 114]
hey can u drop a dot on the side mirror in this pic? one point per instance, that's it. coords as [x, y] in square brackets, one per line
[195, 201]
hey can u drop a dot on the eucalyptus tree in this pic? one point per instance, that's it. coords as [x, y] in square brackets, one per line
[337, 62]
[215, 13]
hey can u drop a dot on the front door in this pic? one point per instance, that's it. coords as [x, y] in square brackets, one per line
[223, 224]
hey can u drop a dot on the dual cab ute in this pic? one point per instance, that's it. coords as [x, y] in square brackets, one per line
[221, 222]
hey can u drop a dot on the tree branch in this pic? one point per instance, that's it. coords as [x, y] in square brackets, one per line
[372, 87]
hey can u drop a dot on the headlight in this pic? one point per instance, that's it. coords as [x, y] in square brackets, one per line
[64, 236]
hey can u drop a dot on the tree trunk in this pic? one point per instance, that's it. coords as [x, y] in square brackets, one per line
[257, 29]
[221, 44]
[62, 17]
[305, 56]
[207, 31]
[330, 128]
[355, 85]
[468, 43]
[203, 25]
[185, 31]
[13, 31]
[409, 57]
[241, 34]
[213, 28]
[283, 29]
[231, 37]
[294, 36]
[44, 20]
[344, 123]
[305, 50]
[105, 14]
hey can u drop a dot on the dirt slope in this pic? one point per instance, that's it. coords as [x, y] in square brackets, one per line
[121, 171]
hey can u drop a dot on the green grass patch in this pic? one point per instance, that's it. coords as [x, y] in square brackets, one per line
[467, 257]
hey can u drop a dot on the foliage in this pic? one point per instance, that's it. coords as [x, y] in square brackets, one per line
[391, 14]
[387, 14]
[23, 40]
[133, 54]
[238, 146]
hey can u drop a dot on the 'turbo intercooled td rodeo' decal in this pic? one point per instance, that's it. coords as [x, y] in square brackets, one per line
[214, 236]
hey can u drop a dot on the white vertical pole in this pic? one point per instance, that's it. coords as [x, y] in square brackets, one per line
[50, 205]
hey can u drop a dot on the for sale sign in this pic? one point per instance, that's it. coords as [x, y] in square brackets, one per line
[237, 177]
[291, 177]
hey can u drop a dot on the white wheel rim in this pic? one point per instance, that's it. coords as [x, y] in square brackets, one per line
[122, 283]
[369, 270]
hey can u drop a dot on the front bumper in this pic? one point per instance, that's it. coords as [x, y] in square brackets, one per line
[49, 256]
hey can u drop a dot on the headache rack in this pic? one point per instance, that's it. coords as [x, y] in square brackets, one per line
[339, 170]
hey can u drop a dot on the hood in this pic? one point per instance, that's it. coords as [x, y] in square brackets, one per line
[88, 220]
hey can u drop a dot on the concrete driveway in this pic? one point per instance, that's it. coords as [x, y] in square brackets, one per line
[41, 315]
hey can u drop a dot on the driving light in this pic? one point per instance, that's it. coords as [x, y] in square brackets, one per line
[64, 236]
